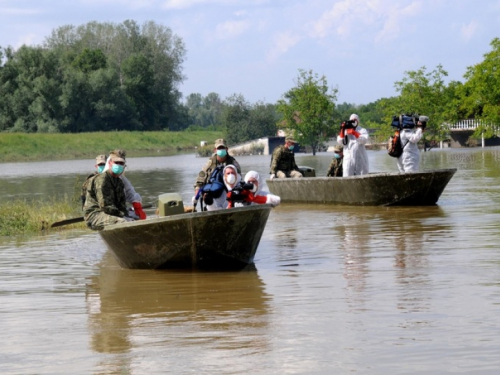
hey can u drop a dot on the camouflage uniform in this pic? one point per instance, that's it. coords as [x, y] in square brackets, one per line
[85, 186]
[211, 164]
[283, 163]
[105, 202]
[335, 169]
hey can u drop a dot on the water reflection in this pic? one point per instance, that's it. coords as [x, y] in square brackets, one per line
[226, 311]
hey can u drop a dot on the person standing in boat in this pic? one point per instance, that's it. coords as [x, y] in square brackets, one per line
[283, 161]
[105, 202]
[409, 161]
[219, 157]
[354, 138]
[336, 166]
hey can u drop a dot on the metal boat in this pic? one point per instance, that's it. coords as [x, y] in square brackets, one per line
[375, 189]
[211, 239]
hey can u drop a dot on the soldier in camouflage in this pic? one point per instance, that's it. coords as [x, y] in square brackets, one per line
[100, 163]
[335, 169]
[219, 157]
[105, 202]
[283, 161]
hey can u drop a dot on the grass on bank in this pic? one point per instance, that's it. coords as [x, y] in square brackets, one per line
[20, 217]
[15, 147]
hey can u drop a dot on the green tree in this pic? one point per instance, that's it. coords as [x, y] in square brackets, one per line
[480, 95]
[138, 83]
[204, 112]
[235, 119]
[243, 121]
[29, 88]
[127, 48]
[95, 102]
[90, 60]
[308, 109]
[263, 117]
[423, 93]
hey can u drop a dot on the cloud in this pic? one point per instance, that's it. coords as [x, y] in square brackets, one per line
[393, 20]
[28, 39]
[184, 4]
[129, 4]
[231, 29]
[18, 11]
[282, 43]
[382, 19]
[469, 30]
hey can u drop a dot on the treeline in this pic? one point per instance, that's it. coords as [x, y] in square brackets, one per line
[104, 76]
[95, 77]
[107, 77]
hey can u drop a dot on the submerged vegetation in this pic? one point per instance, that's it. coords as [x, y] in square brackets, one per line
[20, 217]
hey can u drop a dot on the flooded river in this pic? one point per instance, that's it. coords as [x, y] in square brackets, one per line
[335, 289]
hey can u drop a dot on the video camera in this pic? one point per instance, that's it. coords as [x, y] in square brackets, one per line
[348, 124]
[240, 192]
[408, 121]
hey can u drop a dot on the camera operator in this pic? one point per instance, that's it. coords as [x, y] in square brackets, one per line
[231, 178]
[354, 138]
[409, 160]
[253, 194]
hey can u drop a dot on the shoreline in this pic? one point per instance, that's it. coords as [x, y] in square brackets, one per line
[23, 147]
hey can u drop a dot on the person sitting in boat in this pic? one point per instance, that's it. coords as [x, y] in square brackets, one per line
[255, 195]
[354, 138]
[131, 196]
[336, 166]
[219, 157]
[105, 202]
[409, 160]
[100, 163]
[231, 178]
[283, 161]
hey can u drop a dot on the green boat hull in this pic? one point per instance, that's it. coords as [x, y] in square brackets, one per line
[377, 189]
[211, 239]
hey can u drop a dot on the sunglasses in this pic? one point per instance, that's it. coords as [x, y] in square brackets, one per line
[101, 164]
[119, 162]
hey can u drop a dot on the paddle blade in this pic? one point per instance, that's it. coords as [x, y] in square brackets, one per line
[67, 222]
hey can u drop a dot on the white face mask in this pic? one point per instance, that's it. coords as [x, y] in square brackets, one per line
[231, 179]
[254, 189]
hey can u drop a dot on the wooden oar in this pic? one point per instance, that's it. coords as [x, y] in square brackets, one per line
[80, 219]
[67, 222]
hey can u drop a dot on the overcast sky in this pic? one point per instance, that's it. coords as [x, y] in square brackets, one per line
[256, 47]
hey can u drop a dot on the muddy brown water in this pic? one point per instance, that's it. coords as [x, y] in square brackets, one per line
[334, 289]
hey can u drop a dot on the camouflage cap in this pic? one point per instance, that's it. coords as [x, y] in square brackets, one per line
[100, 159]
[118, 155]
[220, 142]
[290, 139]
[338, 149]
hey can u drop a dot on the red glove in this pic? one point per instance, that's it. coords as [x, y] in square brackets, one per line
[260, 199]
[353, 132]
[138, 210]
